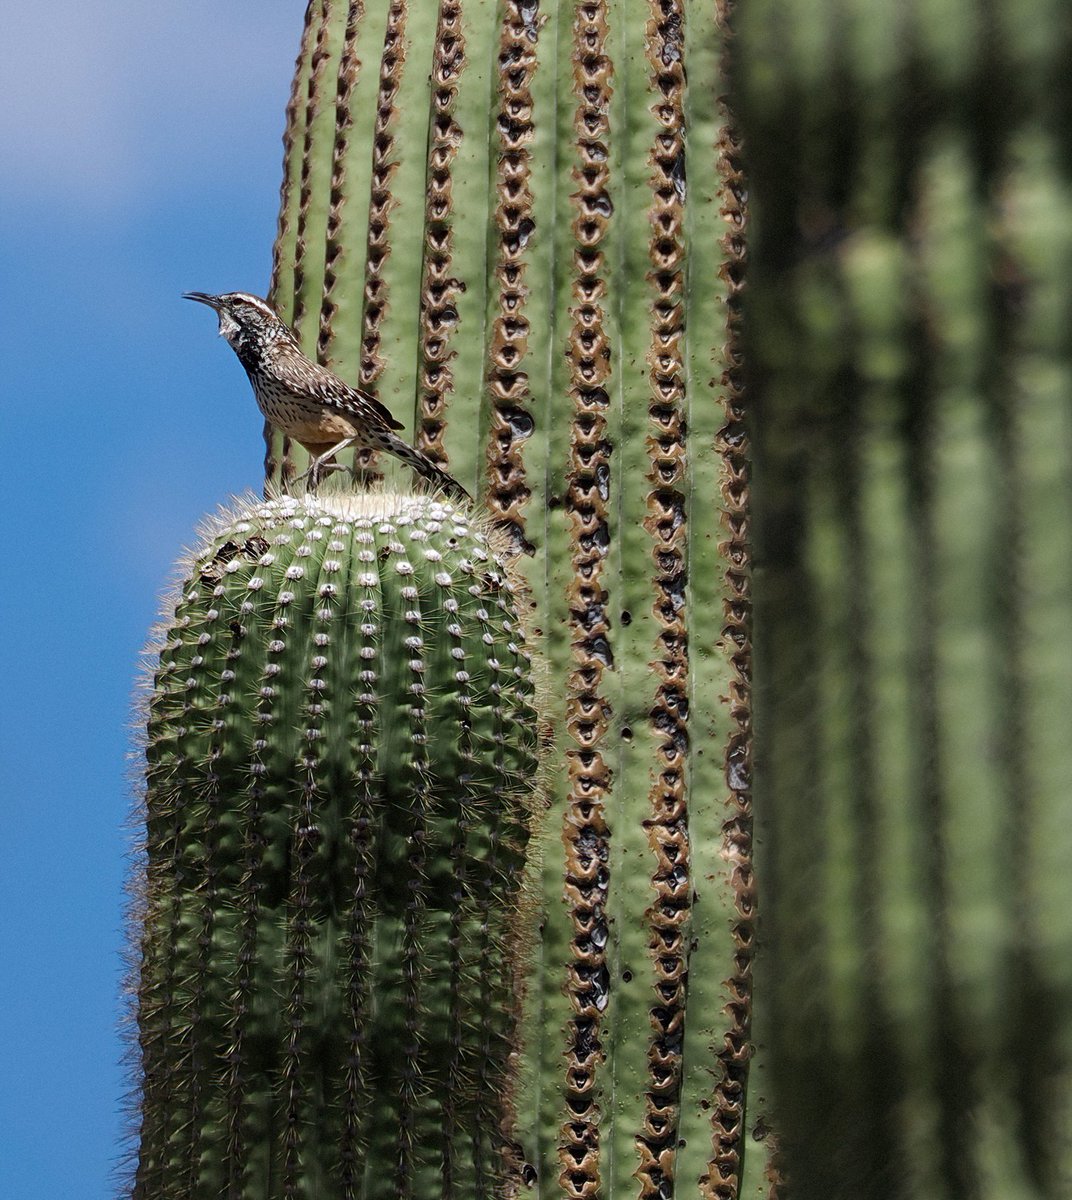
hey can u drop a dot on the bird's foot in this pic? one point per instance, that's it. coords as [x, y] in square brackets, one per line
[317, 469]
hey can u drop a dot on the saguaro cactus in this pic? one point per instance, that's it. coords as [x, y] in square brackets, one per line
[342, 771]
[521, 224]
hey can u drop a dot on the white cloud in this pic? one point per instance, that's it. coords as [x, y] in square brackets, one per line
[103, 104]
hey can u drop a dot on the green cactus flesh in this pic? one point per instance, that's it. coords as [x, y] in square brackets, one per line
[342, 770]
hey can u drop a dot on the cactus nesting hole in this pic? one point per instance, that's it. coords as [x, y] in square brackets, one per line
[342, 772]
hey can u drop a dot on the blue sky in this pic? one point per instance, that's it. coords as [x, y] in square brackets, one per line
[141, 158]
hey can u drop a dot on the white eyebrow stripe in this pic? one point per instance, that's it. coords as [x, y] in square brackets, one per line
[255, 302]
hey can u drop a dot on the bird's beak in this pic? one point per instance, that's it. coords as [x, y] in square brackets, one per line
[203, 298]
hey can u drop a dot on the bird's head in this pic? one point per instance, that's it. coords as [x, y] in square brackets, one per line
[245, 321]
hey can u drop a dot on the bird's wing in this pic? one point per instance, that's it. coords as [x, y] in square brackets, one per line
[329, 389]
[377, 407]
[322, 383]
[348, 399]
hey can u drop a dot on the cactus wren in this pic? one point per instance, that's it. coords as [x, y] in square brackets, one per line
[306, 401]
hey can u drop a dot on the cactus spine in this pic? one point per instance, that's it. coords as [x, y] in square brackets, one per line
[342, 772]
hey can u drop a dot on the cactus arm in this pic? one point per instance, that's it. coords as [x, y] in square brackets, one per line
[312, 845]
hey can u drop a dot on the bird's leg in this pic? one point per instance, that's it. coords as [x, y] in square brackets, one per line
[364, 471]
[321, 463]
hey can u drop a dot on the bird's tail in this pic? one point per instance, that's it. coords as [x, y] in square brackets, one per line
[427, 469]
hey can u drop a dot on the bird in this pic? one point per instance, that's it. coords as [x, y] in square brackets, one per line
[305, 400]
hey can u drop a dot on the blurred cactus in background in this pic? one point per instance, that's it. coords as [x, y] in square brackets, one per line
[908, 350]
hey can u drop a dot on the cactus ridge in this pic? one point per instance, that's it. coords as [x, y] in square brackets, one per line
[342, 774]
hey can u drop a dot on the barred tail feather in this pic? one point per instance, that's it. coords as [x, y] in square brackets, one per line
[426, 468]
